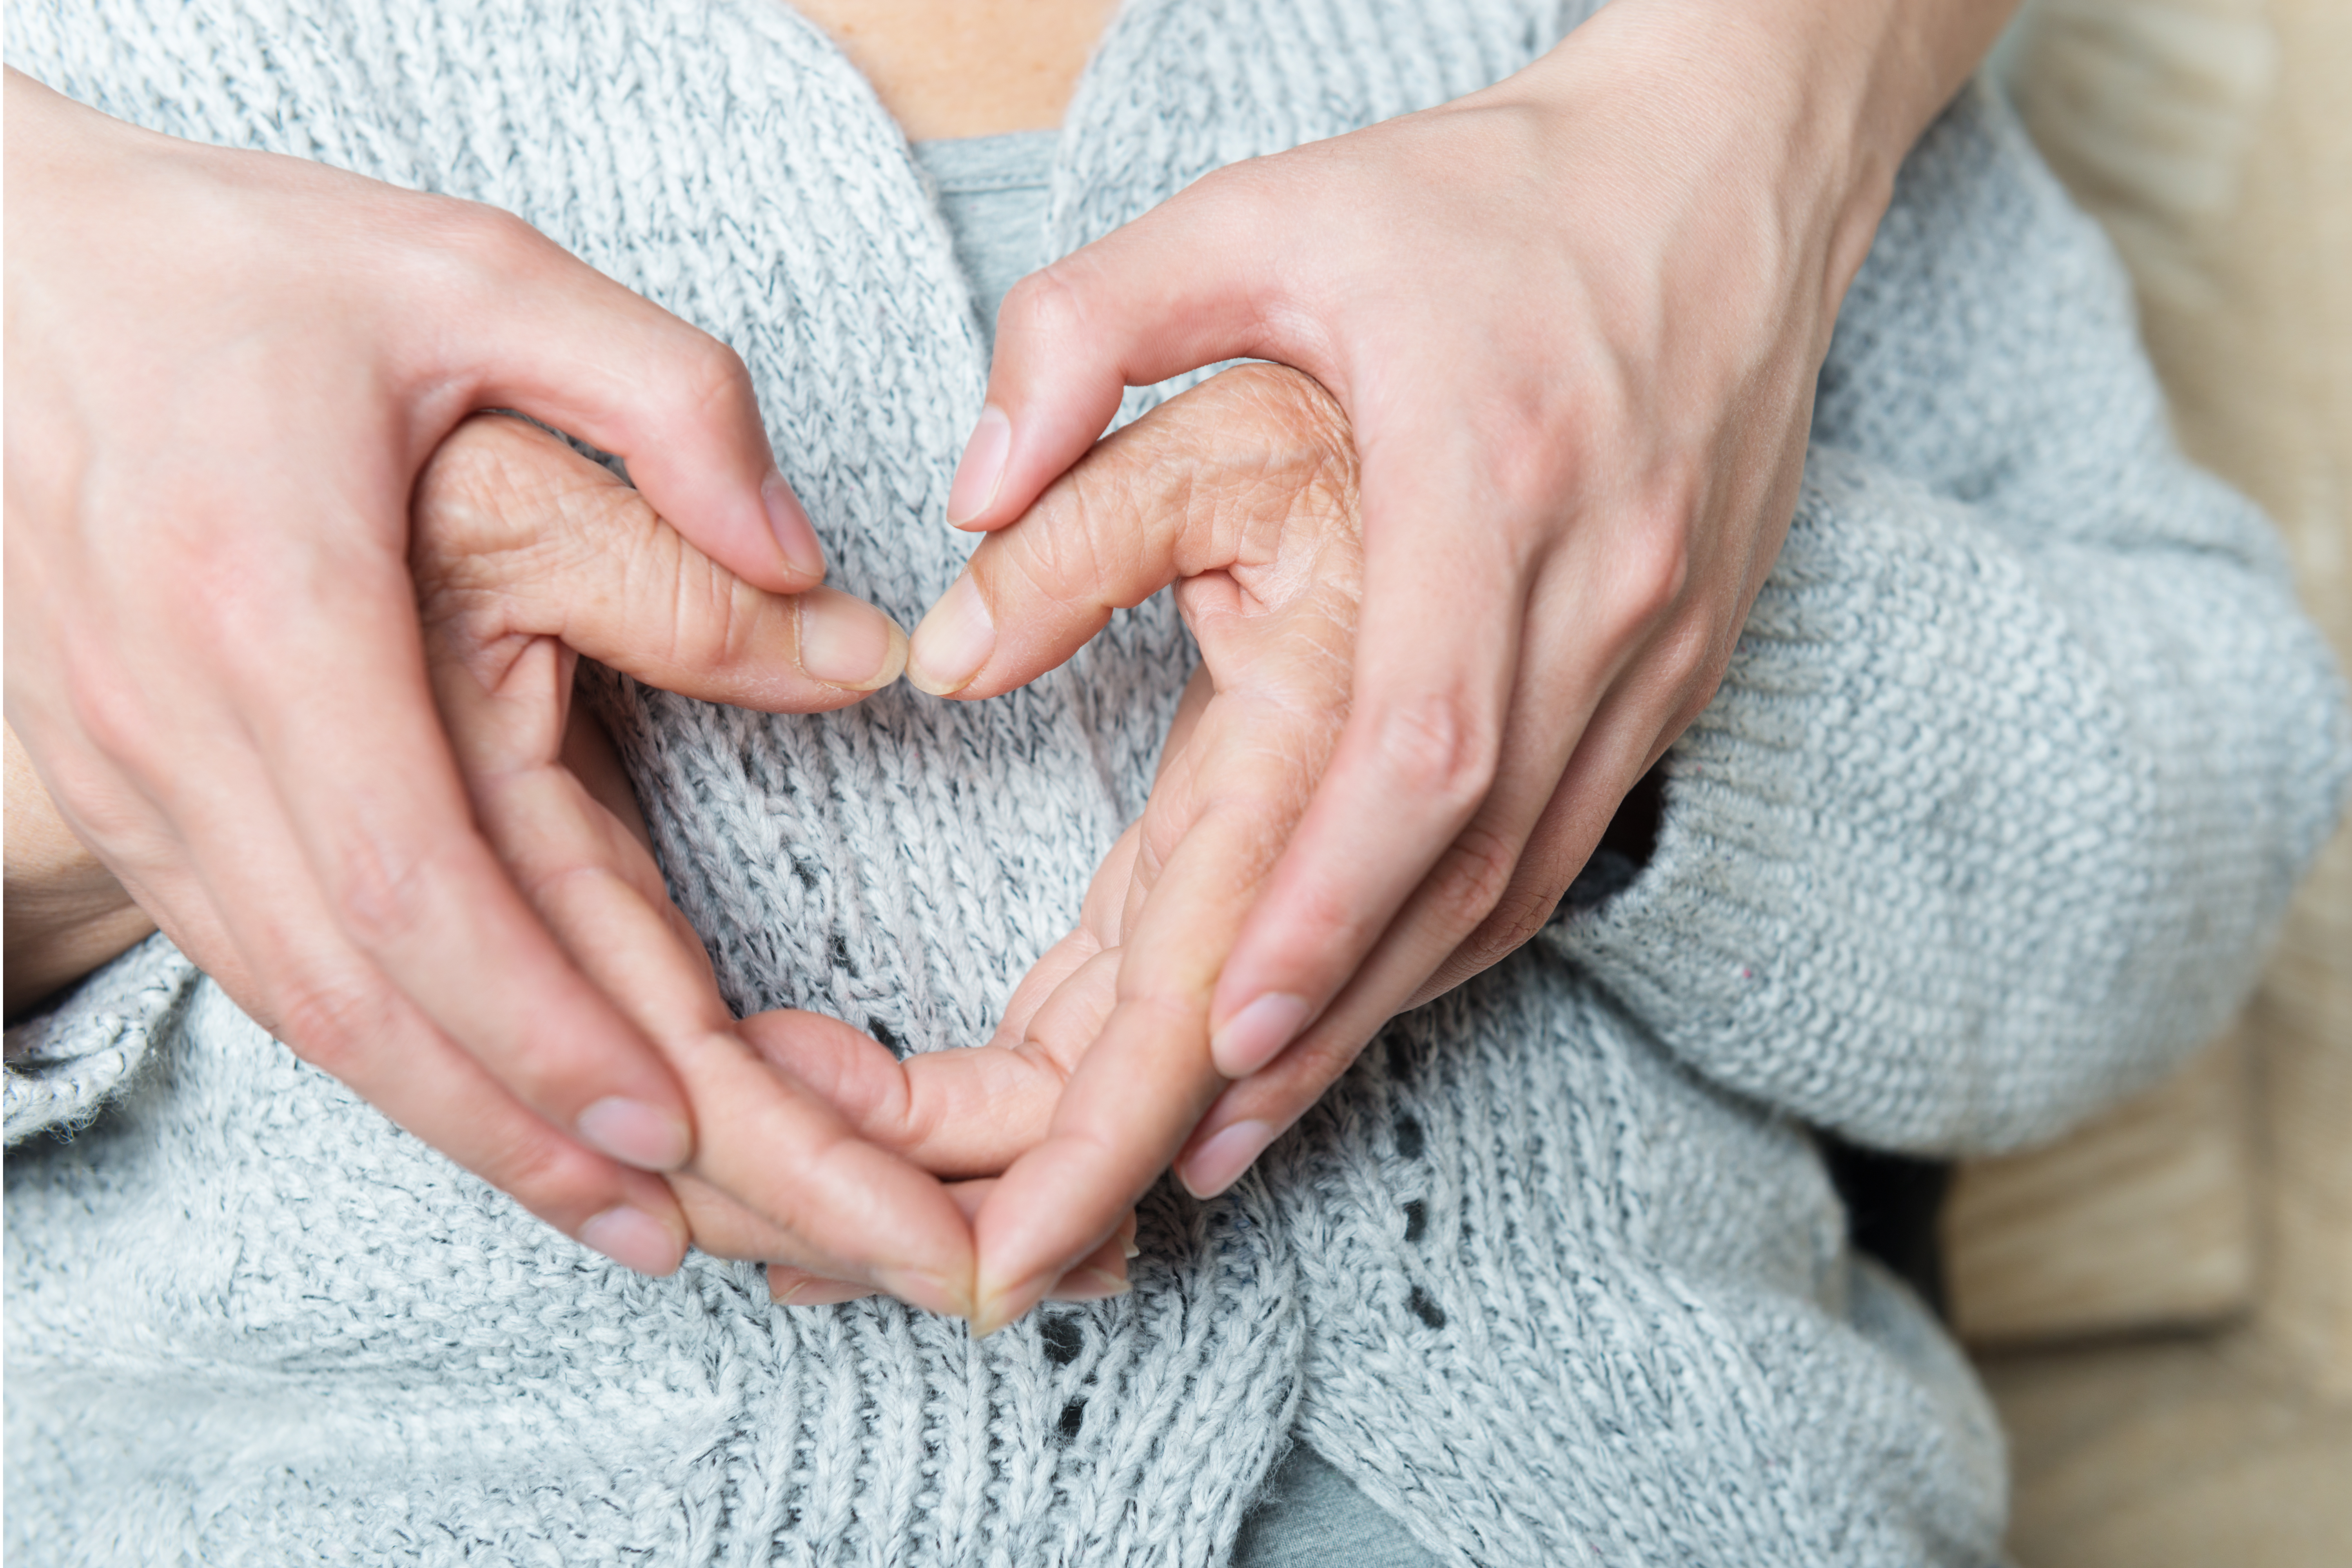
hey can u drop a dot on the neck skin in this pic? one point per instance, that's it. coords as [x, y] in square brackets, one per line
[967, 67]
[1878, 69]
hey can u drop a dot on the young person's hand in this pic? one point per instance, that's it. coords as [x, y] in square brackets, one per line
[1576, 321]
[223, 371]
[526, 556]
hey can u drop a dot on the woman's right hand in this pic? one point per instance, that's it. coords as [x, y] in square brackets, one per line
[224, 371]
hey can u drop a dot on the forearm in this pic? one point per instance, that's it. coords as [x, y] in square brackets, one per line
[1814, 103]
[1975, 839]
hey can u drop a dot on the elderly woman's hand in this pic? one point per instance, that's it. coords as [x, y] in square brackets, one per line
[1243, 493]
[526, 556]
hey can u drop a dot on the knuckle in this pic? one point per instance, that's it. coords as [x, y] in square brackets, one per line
[1652, 565]
[1517, 916]
[1048, 305]
[1533, 462]
[711, 375]
[334, 1025]
[382, 894]
[1691, 659]
[488, 246]
[114, 717]
[499, 239]
[1437, 753]
[1474, 876]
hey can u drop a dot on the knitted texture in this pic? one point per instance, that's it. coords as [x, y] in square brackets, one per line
[63, 1066]
[2017, 764]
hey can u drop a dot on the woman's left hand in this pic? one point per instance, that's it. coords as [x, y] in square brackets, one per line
[1243, 493]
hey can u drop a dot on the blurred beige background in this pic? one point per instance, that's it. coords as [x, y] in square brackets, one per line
[2162, 1304]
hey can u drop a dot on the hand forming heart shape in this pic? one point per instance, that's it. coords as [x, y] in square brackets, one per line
[817, 1150]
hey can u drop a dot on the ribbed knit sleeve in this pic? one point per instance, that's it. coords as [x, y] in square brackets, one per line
[2027, 742]
[64, 1065]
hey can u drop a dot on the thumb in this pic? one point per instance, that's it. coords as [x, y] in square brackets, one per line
[1181, 287]
[519, 536]
[1203, 482]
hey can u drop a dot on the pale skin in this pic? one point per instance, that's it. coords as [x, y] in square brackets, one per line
[526, 556]
[1577, 458]
[1242, 493]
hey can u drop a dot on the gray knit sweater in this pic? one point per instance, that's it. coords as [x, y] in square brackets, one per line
[2024, 747]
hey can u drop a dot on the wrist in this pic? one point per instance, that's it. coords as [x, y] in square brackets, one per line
[1812, 104]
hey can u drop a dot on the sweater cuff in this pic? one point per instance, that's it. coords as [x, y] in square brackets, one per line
[1929, 873]
[63, 1066]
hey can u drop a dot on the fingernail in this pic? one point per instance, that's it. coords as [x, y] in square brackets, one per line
[634, 1132]
[790, 525]
[1255, 1035]
[848, 642]
[1091, 1285]
[807, 1292]
[997, 1307]
[954, 640]
[1219, 1163]
[633, 1239]
[982, 471]
[926, 1290]
[1130, 1248]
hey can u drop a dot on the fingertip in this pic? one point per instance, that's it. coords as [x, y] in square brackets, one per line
[1091, 1284]
[795, 536]
[637, 1134]
[635, 1239]
[997, 1306]
[1257, 1033]
[932, 1293]
[843, 641]
[792, 1288]
[1222, 1158]
[979, 473]
[953, 641]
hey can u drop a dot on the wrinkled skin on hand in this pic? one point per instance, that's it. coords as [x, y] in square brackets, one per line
[1243, 492]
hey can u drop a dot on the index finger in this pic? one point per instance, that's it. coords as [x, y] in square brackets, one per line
[1219, 813]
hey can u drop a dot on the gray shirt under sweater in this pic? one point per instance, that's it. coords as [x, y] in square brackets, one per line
[2021, 753]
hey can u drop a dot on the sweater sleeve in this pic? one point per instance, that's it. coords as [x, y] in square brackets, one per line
[66, 1063]
[2027, 742]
